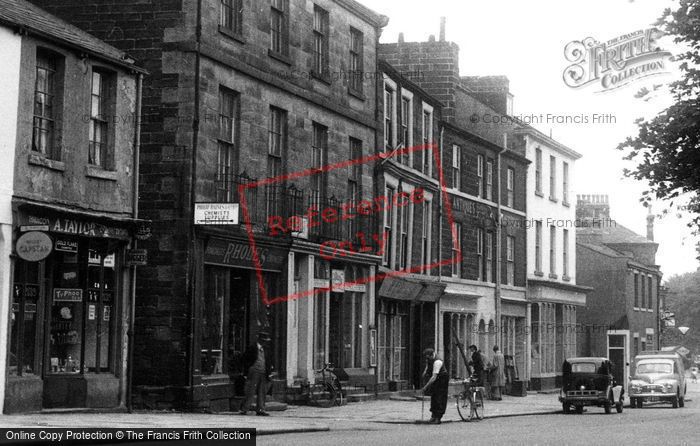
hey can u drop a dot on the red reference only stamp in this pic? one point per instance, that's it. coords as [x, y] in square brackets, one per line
[370, 240]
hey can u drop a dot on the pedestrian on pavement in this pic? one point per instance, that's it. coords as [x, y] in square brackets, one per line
[477, 364]
[257, 366]
[498, 375]
[436, 385]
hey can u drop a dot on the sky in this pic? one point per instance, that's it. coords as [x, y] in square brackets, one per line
[525, 41]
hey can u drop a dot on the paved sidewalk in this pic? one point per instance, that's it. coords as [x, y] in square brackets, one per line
[409, 410]
[264, 425]
[295, 419]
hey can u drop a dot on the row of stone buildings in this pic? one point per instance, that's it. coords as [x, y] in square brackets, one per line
[293, 110]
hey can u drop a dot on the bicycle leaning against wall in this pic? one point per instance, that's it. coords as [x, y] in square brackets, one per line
[470, 401]
[326, 391]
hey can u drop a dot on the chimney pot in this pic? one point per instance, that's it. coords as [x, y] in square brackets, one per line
[443, 20]
[401, 38]
[431, 38]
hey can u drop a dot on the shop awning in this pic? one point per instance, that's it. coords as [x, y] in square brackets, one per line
[401, 288]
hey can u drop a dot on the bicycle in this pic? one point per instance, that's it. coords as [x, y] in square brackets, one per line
[470, 401]
[328, 391]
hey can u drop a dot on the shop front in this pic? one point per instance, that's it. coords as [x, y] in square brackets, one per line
[70, 310]
[230, 315]
[406, 319]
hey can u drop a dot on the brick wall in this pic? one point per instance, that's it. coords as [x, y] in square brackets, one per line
[433, 66]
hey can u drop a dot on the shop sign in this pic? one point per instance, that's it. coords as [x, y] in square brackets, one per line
[137, 257]
[321, 283]
[67, 295]
[216, 213]
[75, 226]
[34, 246]
[337, 277]
[66, 246]
[235, 254]
[44, 228]
[143, 231]
[373, 347]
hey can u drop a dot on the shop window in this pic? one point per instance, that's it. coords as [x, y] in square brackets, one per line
[223, 321]
[82, 308]
[393, 341]
[24, 324]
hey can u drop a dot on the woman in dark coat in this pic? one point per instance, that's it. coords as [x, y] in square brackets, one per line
[437, 384]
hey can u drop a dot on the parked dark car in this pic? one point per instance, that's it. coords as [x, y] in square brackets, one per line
[590, 382]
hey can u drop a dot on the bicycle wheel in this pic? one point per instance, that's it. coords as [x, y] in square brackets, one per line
[322, 395]
[478, 406]
[464, 405]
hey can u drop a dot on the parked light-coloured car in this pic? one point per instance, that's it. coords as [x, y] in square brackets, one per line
[658, 377]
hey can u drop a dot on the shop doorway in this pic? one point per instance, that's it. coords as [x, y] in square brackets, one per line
[617, 354]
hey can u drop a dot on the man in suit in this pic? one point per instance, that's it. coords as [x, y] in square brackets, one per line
[256, 366]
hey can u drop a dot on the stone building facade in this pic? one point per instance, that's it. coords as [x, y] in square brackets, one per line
[482, 225]
[69, 213]
[241, 92]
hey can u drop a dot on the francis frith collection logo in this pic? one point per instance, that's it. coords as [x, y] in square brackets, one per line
[610, 65]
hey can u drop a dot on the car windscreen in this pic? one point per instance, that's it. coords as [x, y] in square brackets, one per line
[583, 367]
[654, 367]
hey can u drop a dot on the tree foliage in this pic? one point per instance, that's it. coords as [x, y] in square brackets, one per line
[667, 147]
[683, 299]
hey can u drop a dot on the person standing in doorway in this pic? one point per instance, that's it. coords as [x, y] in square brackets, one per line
[256, 365]
[437, 385]
[498, 375]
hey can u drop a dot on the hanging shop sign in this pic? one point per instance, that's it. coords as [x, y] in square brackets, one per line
[236, 254]
[34, 246]
[216, 213]
[67, 295]
[337, 277]
[137, 257]
[143, 231]
[70, 246]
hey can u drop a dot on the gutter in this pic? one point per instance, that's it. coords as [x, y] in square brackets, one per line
[132, 306]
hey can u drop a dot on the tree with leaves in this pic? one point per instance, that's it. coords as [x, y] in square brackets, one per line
[667, 147]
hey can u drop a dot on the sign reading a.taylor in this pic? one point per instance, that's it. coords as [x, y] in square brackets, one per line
[229, 253]
[77, 227]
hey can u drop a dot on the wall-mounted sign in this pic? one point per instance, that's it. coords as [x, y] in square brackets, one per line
[236, 254]
[321, 283]
[91, 312]
[66, 245]
[337, 277]
[137, 257]
[44, 228]
[216, 213]
[67, 295]
[373, 347]
[75, 226]
[34, 246]
[143, 231]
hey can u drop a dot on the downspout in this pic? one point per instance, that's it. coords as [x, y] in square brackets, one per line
[439, 237]
[135, 206]
[193, 179]
[499, 262]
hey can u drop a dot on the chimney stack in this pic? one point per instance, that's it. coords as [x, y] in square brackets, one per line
[650, 225]
[442, 28]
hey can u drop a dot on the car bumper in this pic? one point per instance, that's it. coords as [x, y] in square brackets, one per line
[584, 400]
[653, 395]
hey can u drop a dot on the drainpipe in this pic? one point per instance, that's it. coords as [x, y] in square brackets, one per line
[192, 256]
[135, 206]
[439, 238]
[497, 293]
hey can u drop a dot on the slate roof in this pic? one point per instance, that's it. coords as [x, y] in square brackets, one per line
[613, 233]
[24, 15]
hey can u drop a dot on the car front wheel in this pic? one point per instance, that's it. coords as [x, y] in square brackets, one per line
[566, 407]
[640, 403]
[579, 409]
[674, 402]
